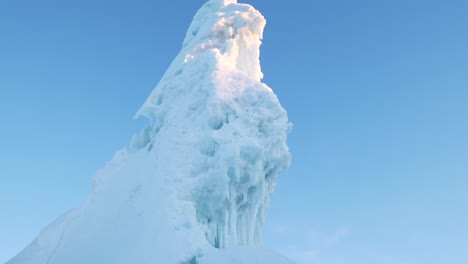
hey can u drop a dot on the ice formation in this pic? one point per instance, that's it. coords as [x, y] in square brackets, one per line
[194, 185]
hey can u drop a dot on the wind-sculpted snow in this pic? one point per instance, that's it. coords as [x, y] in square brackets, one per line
[195, 184]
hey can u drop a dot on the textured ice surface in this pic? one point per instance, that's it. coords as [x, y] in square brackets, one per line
[194, 185]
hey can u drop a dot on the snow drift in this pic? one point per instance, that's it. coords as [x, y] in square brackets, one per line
[193, 186]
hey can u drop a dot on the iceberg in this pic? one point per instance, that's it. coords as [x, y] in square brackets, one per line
[194, 185]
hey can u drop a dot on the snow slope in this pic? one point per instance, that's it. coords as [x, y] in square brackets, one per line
[194, 185]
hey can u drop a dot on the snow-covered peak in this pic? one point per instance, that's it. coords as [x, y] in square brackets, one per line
[224, 36]
[233, 31]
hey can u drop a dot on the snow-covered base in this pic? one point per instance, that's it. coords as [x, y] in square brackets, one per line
[244, 255]
[128, 229]
[194, 185]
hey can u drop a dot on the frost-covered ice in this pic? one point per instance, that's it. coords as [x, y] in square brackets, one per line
[194, 185]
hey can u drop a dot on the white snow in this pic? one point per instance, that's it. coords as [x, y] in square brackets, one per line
[194, 185]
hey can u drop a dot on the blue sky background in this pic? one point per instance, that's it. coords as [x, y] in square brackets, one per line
[377, 92]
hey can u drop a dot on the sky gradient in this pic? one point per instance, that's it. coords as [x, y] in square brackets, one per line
[377, 92]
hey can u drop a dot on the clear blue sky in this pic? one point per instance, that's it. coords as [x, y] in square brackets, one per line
[377, 92]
